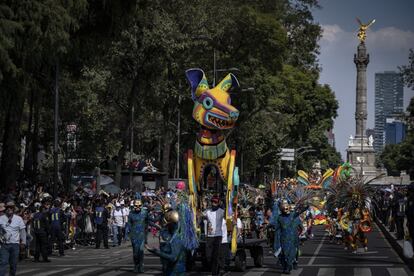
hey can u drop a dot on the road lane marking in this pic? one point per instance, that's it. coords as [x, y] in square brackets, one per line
[317, 250]
[50, 272]
[333, 257]
[296, 272]
[326, 271]
[86, 271]
[256, 272]
[397, 271]
[113, 273]
[349, 265]
[24, 271]
[360, 271]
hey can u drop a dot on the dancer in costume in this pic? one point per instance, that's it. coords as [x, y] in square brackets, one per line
[138, 224]
[172, 251]
[286, 226]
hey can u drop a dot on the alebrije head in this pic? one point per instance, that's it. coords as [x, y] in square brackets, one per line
[212, 107]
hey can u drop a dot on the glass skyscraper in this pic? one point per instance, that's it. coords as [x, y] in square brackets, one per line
[389, 101]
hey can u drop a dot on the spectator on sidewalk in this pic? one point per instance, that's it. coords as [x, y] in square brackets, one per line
[409, 211]
[118, 223]
[14, 234]
[101, 217]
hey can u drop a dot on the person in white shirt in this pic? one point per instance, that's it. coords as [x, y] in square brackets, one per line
[13, 234]
[214, 217]
[118, 224]
[125, 211]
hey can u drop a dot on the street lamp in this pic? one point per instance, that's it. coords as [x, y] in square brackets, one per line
[298, 154]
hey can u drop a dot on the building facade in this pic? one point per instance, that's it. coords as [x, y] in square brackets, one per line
[394, 131]
[389, 95]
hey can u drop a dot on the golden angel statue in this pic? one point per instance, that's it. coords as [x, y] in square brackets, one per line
[363, 29]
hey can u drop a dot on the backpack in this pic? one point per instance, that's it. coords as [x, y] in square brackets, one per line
[55, 217]
[99, 215]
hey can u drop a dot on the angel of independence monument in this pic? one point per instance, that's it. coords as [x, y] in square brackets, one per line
[360, 152]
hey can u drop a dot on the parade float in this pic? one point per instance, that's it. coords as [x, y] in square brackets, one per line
[211, 165]
[317, 183]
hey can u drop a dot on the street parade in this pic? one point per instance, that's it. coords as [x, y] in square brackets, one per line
[206, 137]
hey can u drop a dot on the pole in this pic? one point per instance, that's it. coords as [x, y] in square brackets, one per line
[214, 67]
[362, 146]
[178, 137]
[56, 132]
[131, 147]
[280, 168]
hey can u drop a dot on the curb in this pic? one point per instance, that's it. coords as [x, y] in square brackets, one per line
[395, 245]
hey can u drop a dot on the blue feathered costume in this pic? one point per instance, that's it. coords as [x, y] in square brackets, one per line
[138, 224]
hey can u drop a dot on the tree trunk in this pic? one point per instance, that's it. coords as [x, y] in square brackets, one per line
[127, 130]
[12, 139]
[28, 161]
[35, 138]
[166, 149]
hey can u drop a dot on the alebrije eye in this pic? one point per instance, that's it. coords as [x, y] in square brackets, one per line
[208, 103]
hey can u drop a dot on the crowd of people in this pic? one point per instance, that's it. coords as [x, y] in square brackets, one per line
[394, 207]
[33, 224]
[142, 165]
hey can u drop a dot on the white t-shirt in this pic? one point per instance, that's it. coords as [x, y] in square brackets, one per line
[125, 210]
[13, 228]
[215, 222]
[224, 239]
[118, 218]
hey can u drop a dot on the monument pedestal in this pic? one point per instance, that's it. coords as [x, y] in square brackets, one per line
[364, 155]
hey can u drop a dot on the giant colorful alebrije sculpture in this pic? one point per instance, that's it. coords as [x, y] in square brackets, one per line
[214, 113]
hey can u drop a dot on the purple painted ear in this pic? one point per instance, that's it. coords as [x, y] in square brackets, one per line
[198, 82]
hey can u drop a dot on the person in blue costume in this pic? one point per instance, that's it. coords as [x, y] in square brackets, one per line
[298, 228]
[172, 251]
[273, 222]
[138, 224]
[286, 228]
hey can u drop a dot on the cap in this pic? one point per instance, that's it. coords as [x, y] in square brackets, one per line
[180, 186]
[215, 199]
[117, 204]
[10, 204]
[122, 202]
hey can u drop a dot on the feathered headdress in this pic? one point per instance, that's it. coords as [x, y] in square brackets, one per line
[355, 193]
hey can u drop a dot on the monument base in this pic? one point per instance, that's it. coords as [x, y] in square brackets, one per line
[362, 156]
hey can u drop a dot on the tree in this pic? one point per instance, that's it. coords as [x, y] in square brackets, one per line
[37, 34]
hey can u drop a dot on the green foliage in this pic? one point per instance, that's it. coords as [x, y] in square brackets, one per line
[116, 56]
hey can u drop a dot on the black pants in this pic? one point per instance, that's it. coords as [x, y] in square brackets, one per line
[102, 233]
[213, 253]
[224, 259]
[57, 236]
[40, 246]
[399, 223]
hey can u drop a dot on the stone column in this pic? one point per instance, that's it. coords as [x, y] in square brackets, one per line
[361, 60]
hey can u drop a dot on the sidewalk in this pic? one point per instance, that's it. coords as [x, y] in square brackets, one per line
[396, 244]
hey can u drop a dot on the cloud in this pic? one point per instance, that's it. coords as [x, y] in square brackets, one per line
[391, 39]
[387, 39]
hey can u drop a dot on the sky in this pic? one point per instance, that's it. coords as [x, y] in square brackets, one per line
[388, 42]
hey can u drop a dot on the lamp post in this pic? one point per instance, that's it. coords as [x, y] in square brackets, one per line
[56, 133]
[298, 154]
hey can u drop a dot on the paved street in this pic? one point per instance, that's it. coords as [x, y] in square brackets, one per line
[319, 258]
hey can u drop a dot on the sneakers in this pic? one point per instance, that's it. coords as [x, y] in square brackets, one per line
[366, 249]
